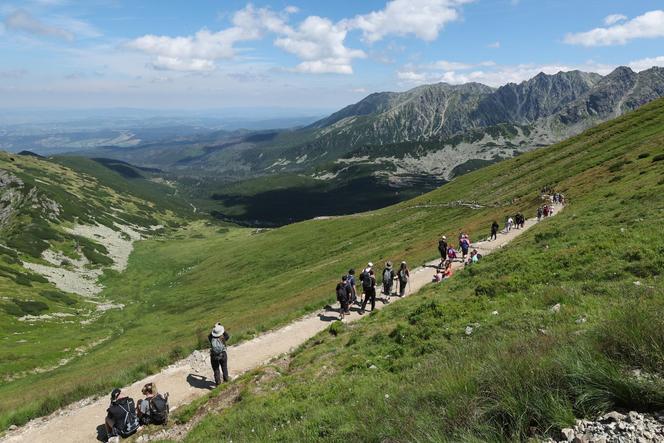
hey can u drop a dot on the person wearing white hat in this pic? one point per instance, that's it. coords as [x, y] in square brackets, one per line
[218, 357]
[442, 248]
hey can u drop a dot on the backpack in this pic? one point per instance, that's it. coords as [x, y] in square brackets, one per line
[366, 282]
[442, 245]
[217, 346]
[402, 275]
[129, 423]
[464, 243]
[387, 275]
[159, 409]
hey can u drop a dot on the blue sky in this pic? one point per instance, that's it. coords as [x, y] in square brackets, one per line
[200, 54]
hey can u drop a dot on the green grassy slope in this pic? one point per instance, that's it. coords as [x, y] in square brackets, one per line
[40, 200]
[410, 372]
[176, 287]
[127, 179]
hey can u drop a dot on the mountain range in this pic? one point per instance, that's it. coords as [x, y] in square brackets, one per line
[385, 148]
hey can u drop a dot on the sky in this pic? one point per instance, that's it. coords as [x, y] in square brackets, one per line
[297, 54]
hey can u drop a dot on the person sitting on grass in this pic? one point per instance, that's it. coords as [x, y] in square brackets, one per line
[121, 418]
[447, 273]
[474, 257]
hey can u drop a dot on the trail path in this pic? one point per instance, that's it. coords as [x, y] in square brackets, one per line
[189, 378]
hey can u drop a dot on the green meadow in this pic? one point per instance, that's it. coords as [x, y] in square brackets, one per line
[411, 372]
[440, 383]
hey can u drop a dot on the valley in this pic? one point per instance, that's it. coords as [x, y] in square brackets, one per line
[196, 271]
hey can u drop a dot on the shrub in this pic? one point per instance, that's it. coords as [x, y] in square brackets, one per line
[658, 158]
[31, 307]
[336, 328]
[58, 297]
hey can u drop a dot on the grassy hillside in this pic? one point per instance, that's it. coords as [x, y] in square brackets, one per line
[176, 287]
[411, 373]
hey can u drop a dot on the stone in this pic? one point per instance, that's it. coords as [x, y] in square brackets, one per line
[612, 416]
[555, 308]
[373, 367]
[494, 313]
[567, 433]
[13, 427]
[580, 320]
[469, 330]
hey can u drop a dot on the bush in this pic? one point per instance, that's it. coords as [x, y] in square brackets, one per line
[31, 307]
[336, 328]
[58, 297]
[658, 158]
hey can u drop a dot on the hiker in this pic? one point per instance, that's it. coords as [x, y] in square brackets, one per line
[451, 254]
[545, 211]
[523, 220]
[121, 419]
[509, 224]
[343, 297]
[218, 357]
[403, 275]
[442, 248]
[153, 409]
[464, 244]
[388, 280]
[365, 274]
[351, 289]
[561, 199]
[369, 287]
[540, 212]
[494, 230]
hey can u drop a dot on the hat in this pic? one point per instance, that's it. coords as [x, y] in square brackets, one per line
[388, 264]
[444, 238]
[218, 330]
[370, 264]
[403, 262]
[115, 393]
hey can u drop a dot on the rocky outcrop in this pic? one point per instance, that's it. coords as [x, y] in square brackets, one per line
[615, 427]
[15, 195]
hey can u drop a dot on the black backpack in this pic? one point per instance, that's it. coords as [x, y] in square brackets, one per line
[159, 409]
[128, 424]
[366, 282]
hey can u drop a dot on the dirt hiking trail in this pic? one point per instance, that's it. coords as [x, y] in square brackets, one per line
[192, 377]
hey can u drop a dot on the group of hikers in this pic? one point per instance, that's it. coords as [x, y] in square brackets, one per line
[347, 288]
[124, 417]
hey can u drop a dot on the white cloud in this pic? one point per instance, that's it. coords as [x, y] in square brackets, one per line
[647, 63]
[200, 51]
[489, 73]
[183, 64]
[22, 20]
[422, 18]
[648, 25]
[614, 18]
[413, 77]
[494, 45]
[320, 44]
